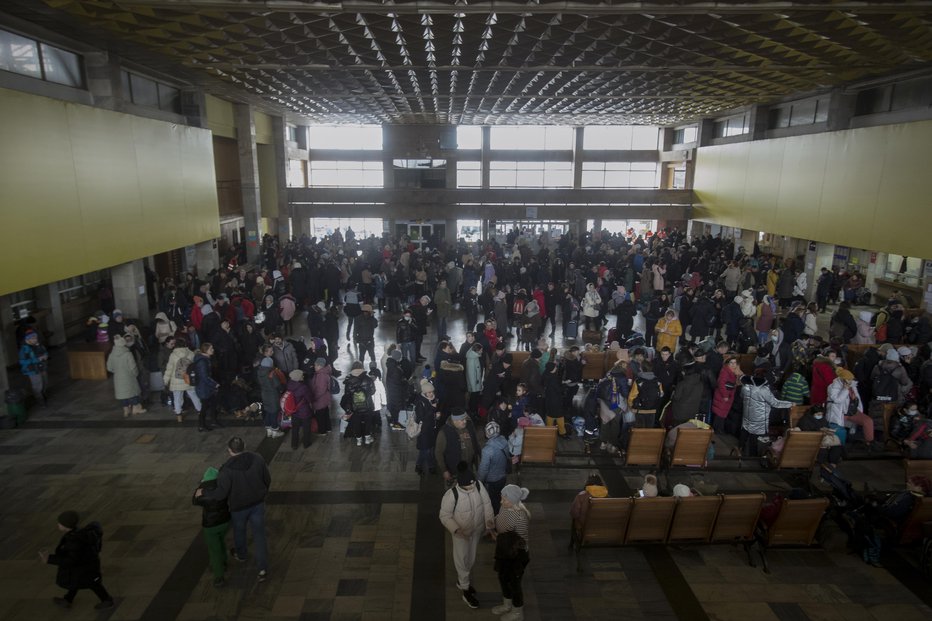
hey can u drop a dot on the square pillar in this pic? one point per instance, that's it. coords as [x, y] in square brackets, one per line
[129, 290]
[249, 178]
[207, 257]
[49, 299]
[279, 129]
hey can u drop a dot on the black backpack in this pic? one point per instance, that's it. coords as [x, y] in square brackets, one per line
[648, 397]
[94, 534]
[886, 388]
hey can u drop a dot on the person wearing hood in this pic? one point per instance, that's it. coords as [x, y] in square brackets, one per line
[321, 397]
[301, 417]
[842, 324]
[668, 330]
[466, 512]
[591, 307]
[758, 400]
[244, 482]
[898, 388]
[210, 323]
[530, 324]
[865, 331]
[271, 388]
[122, 364]
[775, 351]
[845, 408]
[163, 327]
[511, 551]
[77, 556]
[215, 522]
[811, 319]
[284, 355]
[452, 376]
[594, 488]
[493, 463]
[357, 401]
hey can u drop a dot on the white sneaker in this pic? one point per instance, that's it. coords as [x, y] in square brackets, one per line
[275, 433]
[358, 441]
[268, 432]
[369, 440]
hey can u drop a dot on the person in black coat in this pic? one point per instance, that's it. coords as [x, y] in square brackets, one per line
[397, 386]
[427, 414]
[625, 312]
[553, 398]
[77, 557]
[332, 333]
[793, 326]
[215, 520]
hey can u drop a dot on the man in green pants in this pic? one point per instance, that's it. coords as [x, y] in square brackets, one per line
[216, 522]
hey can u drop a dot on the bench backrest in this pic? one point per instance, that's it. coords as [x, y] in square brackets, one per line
[694, 518]
[645, 447]
[691, 448]
[800, 449]
[797, 522]
[606, 522]
[517, 362]
[797, 412]
[650, 519]
[920, 467]
[911, 530]
[596, 365]
[540, 445]
[737, 517]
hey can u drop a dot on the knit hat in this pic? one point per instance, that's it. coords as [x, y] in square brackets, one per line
[210, 474]
[320, 362]
[356, 366]
[845, 374]
[207, 308]
[116, 313]
[864, 316]
[396, 355]
[458, 414]
[267, 362]
[68, 519]
[426, 387]
[464, 474]
[322, 307]
[425, 300]
[296, 375]
[893, 355]
[366, 308]
[492, 429]
[904, 351]
[680, 490]
[514, 494]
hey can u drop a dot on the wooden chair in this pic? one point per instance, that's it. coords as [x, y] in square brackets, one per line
[796, 524]
[517, 360]
[595, 367]
[691, 448]
[911, 530]
[650, 519]
[919, 467]
[797, 412]
[800, 450]
[645, 447]
[737, 520]
[540, 445]
[694, 519]
[606, 524]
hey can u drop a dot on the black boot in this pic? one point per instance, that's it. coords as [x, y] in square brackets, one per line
[202, 421]
[216, 420]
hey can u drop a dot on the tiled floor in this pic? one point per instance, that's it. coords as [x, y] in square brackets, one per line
[354, 532]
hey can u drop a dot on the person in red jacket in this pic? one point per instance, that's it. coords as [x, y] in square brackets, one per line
[823, 374]
[724, 397]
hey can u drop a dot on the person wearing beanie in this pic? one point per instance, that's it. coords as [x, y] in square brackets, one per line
[215, 522]
[427, 416]
[466, 512]
[358, 402]
[681, 490]
[494, 463]
[456, 442]
[397, 386]
[271, 385]
[321, 396]
[890, 382]
[33, 362]
[364, 333]
[844, 407]
[77, 557]
[122, 364]
[511, 551]
[300, 398]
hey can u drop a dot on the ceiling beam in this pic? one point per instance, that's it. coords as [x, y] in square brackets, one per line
[578, 7]
[226, 66]
[491, 197]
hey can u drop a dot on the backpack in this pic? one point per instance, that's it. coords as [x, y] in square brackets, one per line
[361, 400]
[182, 371]
[288, 404]
[648, 397]
[94, 534]
[518, 307]
[886, 388]
[334, 386]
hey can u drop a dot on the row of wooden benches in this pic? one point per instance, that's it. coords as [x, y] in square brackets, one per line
[726, 518]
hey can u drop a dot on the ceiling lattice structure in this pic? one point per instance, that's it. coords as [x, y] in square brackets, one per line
[492, 62]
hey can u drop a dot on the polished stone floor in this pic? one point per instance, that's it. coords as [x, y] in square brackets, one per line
[354, 532]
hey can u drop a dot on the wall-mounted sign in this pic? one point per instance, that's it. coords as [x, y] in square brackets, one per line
[530, 213]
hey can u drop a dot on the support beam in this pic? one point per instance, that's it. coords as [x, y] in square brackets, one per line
[249, 178]
[129, 290]
[281, 165]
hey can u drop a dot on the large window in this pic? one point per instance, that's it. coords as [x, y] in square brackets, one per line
[144, 91]
[468, 175]
[628, 228]
[468, 137]
[531, 175]
[362, 227]
[469, 230]
[620, 175]
[531, 137]
[621, 137]
[39, 60]
[368, 137]
[340, 174]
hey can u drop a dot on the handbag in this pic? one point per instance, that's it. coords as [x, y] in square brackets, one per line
[412, 427]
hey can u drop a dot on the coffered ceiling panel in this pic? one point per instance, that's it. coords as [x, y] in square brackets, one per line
[474, 62]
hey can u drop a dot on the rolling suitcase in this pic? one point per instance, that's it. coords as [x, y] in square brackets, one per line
[572, 329]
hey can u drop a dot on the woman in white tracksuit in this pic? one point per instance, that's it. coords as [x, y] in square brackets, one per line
[466, 511]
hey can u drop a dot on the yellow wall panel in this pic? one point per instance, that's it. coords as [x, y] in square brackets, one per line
[85, 189]
[861, 188]
[220, 118]
[263, 122]
[268, 181]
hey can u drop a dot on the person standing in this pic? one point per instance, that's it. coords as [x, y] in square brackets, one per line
[215, 521]
[176, 377]
[456, 442]
[244, 481]
[443, 302]
[466, 511]
[357, 401]
[364, 333]
[205, 386]
[33, 362]
[493, 463]
[270, 387]
[301, 418]
[427, 416]
[321, 395]
[77, 556]
[511, 551]
[122, 364]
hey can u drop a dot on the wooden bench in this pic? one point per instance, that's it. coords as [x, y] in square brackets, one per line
[797, 412]
[800, 450]
[796, 525]
[918, 467]
[694, 519]
[540, 445]
[911, 530]
[645, 447]
[650, 519]
[596, 365]
[88, 360]
[691, 448]
[517, 361]
[606, 524]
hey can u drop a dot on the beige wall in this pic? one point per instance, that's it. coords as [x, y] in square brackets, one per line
[864, 188]
[220, 119]
[85, 188]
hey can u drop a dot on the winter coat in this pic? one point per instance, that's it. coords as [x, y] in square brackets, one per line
[424, 411]
[493, 462]
[204, 385]
[731, 277]
[553, 395]
[215, 511]
[801, 285]
[270, 388]
[122, 364]
[530, 375]
[474, 371]
[758, 401]
[785, 284]
[452, 376]
[899, 373]
[793, 328]
[452, 446]
[302, 397]
[406, 331]
[823, 374]
[244, 481]
[470, 511]
[658, 273]
[591, 304]
[443, 302]
[839, 397]
[687, 395]
[703, 318]
[765, 318]
[810, 323]
[364, 328]
[724, 395]
[285, 357]
[397, 386]
[668, 332]
[77, 560]
[865, 332]
[173, 376]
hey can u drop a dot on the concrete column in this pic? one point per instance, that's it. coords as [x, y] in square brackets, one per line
[129, 290]
[207, 257]
[706, 132]
[49, 298]
[9, 355]
[841, 108]
[281, 163]
[577, 157]
[486, 156]
[451, 231]
[104, 80]
[249, 178]
[757, 121]
[302, 226]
